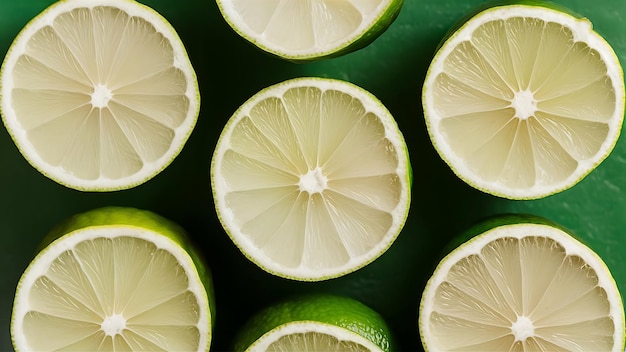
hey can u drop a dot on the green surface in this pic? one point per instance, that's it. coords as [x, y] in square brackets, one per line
[230, 71]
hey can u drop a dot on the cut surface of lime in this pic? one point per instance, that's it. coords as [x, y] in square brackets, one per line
[99, 95]
[311, 178]
[522, 287]
[309, 30]
[315, 323]
[523, 101]
[116, 279]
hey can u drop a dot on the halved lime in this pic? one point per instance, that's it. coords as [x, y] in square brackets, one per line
[521, 284]
[311, 178]
[522, 101]
[309, 30]
[114, 279]
[99, 95]
[315, 323]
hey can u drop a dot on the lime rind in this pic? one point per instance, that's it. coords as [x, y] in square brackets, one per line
[57, 173]
[392, 132]
[496, 221]
[519, 226]
[582, 31]
[317, 312]
[359, 40]
[123, 216]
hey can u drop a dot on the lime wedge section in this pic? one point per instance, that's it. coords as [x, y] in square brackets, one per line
[527, 286]
[119, 279]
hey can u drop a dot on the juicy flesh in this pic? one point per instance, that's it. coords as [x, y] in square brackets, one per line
[312, 178]
[97, 93]
[314, 341]
[304, 24]
[113, 295]
[522, 103]
[521, 295]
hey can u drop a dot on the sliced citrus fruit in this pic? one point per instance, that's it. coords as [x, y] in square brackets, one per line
[523, 101]
[311, 178]
[315, 323]
[521, 284]
[309, 30]
[114, 279]
[99, 95]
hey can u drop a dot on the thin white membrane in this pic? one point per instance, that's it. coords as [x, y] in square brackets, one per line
[291, 27]
[255, 14]
[333, 21]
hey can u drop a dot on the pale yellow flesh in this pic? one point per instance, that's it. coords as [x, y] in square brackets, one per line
[98, 94]
[522, 103]
[486, 297]
[101, 279]
[314, 341]
[304, 24]
[313, 172]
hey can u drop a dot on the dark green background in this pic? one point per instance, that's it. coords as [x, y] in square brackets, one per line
[230, 71]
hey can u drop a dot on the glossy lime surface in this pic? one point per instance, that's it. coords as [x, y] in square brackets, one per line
[229, 72]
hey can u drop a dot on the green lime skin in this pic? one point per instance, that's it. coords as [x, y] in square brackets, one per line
[335, 310]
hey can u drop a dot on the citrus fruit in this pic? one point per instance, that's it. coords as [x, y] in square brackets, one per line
[521, 284]
[311, 178]
[522, 101]
[99, 95]
[309, 30]
[114, 279]
[315, 323]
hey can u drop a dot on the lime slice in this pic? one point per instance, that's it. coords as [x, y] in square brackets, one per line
[311, 178]
[523, 101]
[521, 286]
[315, 323]
[99, 95]
[114, 279]
[309, 30]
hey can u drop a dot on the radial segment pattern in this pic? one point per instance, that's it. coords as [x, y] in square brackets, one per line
[305, 25]
[522, 102]
[98, 93]
[107, 294]
[523, 294]
[312, 178]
